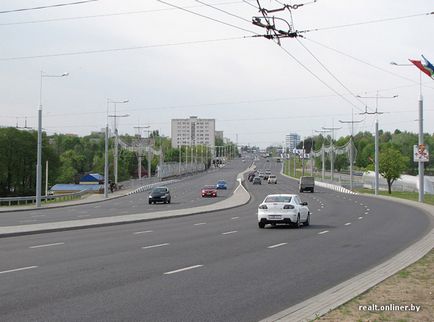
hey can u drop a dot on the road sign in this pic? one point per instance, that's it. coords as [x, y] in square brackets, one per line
[420, 153]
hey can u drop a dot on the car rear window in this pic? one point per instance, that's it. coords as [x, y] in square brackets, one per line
[278, 199]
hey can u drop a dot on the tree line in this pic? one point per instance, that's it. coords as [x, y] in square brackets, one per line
[70, 157]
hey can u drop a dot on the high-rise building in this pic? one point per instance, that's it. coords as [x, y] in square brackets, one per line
[193, 131]
[291, 141]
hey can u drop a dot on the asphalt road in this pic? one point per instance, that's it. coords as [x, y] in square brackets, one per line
[185, 194]
[209, 267]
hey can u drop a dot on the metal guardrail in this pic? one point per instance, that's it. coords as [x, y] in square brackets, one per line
[15, 201]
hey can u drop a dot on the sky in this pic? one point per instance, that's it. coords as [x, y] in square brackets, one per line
[169, 63]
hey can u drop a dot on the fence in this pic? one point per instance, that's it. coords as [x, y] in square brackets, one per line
[11, 201]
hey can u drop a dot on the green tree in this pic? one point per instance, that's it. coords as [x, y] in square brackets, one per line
[392, 164]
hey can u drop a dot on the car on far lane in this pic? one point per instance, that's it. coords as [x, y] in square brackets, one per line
[257, 180]
[209, 191]
[159, 194]
[221, 184]
[283, 209]
[272, 179]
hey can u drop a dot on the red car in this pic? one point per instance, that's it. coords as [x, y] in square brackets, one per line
[209, 191]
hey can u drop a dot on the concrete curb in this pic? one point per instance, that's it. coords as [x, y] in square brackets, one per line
[330, 299]
[239, 197]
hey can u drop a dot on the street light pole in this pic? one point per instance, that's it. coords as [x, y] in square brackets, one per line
[39, 142]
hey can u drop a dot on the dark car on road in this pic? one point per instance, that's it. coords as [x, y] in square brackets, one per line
[209, 191]
[160, 194]
[257, 180]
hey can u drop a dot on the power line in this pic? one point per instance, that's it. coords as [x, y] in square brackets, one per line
[318, 78]
[49, 6]
[206, 17]
[224, 11]
[110, 14]
[361, 61]
[98, 51]
[370, 22]
[330, 73]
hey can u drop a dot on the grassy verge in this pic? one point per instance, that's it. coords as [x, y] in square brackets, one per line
[412, 285]
[429, 199]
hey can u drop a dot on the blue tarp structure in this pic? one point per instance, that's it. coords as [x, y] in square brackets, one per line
[92, 178]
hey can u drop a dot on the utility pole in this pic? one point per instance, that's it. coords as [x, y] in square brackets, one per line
[115, 116]
[323, 153]
[376, 113]
[351, 146]
[332, 148]
[139, 148]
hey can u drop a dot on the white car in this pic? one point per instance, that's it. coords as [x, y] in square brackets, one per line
[272, 179]
[283, 209]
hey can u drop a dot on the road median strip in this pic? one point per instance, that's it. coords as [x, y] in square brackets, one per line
[239, 197]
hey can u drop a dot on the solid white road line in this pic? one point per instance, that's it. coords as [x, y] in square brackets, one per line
[154, 246]
[47, 245]
[230, 232]
[200, 224]
[323, 232]
[183, 269]
[277, 245]
[18, 269]
[143, 232]
[347, 224]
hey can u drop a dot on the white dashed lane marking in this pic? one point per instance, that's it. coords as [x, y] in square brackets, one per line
[235, 218]
[360, 218]
[18, 269]
[347, 224]
[47, 245]
[200, 224]
[230, 232]
[277, 245]
[155, 246]
[143, 232]
[323, 232]
[183, 269]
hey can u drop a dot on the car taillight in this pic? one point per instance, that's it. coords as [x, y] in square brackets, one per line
[263, 207]
[288, 207]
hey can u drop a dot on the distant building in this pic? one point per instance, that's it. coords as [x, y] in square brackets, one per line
[193, 131]
[291, 141]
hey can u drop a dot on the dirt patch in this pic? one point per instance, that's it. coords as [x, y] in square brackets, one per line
[413, 285]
